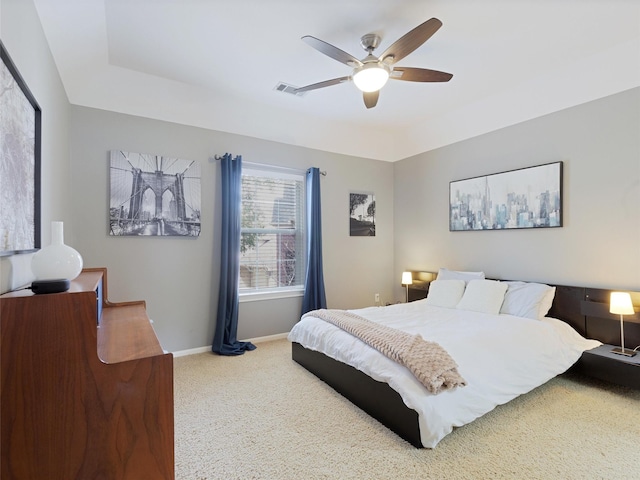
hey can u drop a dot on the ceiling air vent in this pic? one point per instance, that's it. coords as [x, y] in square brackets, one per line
[290, 89]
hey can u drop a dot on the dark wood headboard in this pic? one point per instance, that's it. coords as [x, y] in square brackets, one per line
[585, 309]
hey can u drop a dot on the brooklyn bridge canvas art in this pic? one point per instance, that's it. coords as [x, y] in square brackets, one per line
[153, 195]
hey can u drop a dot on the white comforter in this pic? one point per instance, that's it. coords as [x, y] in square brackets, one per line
[500, 357]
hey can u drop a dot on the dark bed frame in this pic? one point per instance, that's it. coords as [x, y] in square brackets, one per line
[585, 309]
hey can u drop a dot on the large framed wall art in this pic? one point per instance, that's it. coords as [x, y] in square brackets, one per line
[153, 195]
[524, 198]
[20, 137]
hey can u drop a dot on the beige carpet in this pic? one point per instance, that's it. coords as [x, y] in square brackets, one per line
[262, 416]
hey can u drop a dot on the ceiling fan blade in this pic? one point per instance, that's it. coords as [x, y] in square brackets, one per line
[326, 83]
[331, 51]
[409, 74]
[410, 41]
[371, 98]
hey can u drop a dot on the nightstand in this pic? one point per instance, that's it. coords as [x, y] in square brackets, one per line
[420, 286]
[601, 363]
[418, 291]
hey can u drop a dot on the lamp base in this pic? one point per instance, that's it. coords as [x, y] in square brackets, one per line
[626, 352]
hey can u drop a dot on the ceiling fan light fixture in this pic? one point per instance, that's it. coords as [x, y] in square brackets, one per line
[371, 77]
[372, 72]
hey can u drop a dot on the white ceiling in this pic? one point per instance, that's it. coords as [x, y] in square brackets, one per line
[215, 64]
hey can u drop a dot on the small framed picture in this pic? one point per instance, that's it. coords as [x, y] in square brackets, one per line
[362, 215]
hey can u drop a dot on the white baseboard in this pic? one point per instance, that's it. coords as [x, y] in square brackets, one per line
[205, 349]
[191, 351]
[269, 338]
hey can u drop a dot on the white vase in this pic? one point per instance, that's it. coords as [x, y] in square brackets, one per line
[57, 261]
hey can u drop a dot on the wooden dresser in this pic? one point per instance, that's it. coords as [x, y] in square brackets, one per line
[87, 390]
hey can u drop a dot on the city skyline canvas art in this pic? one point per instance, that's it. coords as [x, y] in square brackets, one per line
[524, 198]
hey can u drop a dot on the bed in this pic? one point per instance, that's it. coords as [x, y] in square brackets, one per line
[500, 355]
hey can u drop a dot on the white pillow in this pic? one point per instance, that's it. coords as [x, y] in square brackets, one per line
[483, 296]
[445, 293]
[530, 300]
[445, 274]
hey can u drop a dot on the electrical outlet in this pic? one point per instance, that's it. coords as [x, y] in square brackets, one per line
[377, 298]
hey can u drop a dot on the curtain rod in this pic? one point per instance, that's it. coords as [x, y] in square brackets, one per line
[322, 172]
[278, 167]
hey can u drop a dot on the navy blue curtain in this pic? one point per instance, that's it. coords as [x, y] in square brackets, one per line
[314, 297]
[224, 340]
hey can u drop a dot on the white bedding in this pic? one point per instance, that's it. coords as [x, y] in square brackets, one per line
[500, 357]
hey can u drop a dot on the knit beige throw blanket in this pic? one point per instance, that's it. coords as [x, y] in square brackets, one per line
[428, 361]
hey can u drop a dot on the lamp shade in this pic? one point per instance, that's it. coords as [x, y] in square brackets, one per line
[407, 279]
[621, 303]
[370, 77]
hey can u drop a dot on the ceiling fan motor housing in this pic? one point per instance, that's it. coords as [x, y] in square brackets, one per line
[370, 42]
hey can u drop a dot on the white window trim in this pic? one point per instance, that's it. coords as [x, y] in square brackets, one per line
[274, 171]
[257, 296]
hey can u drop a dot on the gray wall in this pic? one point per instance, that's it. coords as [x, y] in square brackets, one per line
[599, 244]
[22, 36]
[178, 277]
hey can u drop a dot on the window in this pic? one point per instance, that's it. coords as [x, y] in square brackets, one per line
[272, 251]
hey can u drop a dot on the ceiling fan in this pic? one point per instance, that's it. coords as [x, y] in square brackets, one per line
[371, 73]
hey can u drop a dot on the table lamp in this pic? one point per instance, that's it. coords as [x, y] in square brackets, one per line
[407, 280]
[620, 304]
